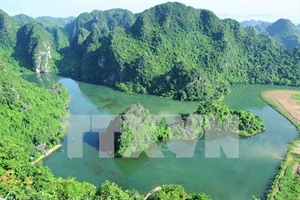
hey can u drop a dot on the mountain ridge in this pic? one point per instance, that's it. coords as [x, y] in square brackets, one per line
[191, 52]
[159, 31]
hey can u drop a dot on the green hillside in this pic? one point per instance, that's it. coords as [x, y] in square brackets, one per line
[285, 33]
[139, 129]
[32, 116]
[169, 50]
[183, 53]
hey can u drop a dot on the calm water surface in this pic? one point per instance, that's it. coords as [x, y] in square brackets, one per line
[222, 178]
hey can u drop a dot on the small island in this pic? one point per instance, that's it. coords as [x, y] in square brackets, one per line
[135, 129]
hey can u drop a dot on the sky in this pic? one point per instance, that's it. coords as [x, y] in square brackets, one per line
[265, 10]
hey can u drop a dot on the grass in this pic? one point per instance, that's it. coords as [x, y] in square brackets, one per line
[297, 97]
[286, 184]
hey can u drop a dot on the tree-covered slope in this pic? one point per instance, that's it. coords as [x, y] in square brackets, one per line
[35, 48]
[86, 35]
[105, 21]
[8, 29]
[54, 26]
[50, 22]
[20, 102]
[136, 129]
[262, 27]
[259, 25]
[29, 45]
[30, 116]
[183, 53]
[285, 33]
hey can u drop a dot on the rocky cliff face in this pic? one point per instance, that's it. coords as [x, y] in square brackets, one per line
[36, 45]
[42, 57]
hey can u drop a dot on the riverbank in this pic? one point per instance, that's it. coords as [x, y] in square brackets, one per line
[282, 101]
[47, 154]
[286, 182]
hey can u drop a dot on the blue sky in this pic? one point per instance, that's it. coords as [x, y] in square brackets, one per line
[266, 10]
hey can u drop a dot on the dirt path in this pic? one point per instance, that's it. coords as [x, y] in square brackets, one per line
[283, 99]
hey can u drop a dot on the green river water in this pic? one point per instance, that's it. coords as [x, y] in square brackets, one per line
[221, 178]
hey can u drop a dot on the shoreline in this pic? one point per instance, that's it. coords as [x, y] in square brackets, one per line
[280, 108]
[53, 149]
[65, 126]
[289, 158]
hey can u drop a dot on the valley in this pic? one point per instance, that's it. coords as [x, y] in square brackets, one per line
[172, 98]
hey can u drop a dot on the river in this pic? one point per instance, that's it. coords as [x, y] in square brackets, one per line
[222, 178]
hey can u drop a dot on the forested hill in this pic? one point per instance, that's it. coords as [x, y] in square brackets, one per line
[169, 50]
[251, 22]
[102, 21]
[285, 33]
[259, 26]
[32, 46]
[183, 53]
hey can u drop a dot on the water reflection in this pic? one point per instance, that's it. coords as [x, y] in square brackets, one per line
[43, 79]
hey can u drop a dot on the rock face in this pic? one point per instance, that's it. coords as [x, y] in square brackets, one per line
[41, 58]
[35, 42]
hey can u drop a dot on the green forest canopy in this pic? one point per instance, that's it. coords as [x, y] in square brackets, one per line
[169, 50]
[138, 128]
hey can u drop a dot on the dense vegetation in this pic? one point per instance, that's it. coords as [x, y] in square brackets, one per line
[135, 129]
[183, 53]
[35, 42]
[30, 116]
[20, 103]
[27, 46]
[247, 124]
[259, 26]
[169, 50]
[176, 192]
[285, 33]
[297, 97]
[262, 27]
